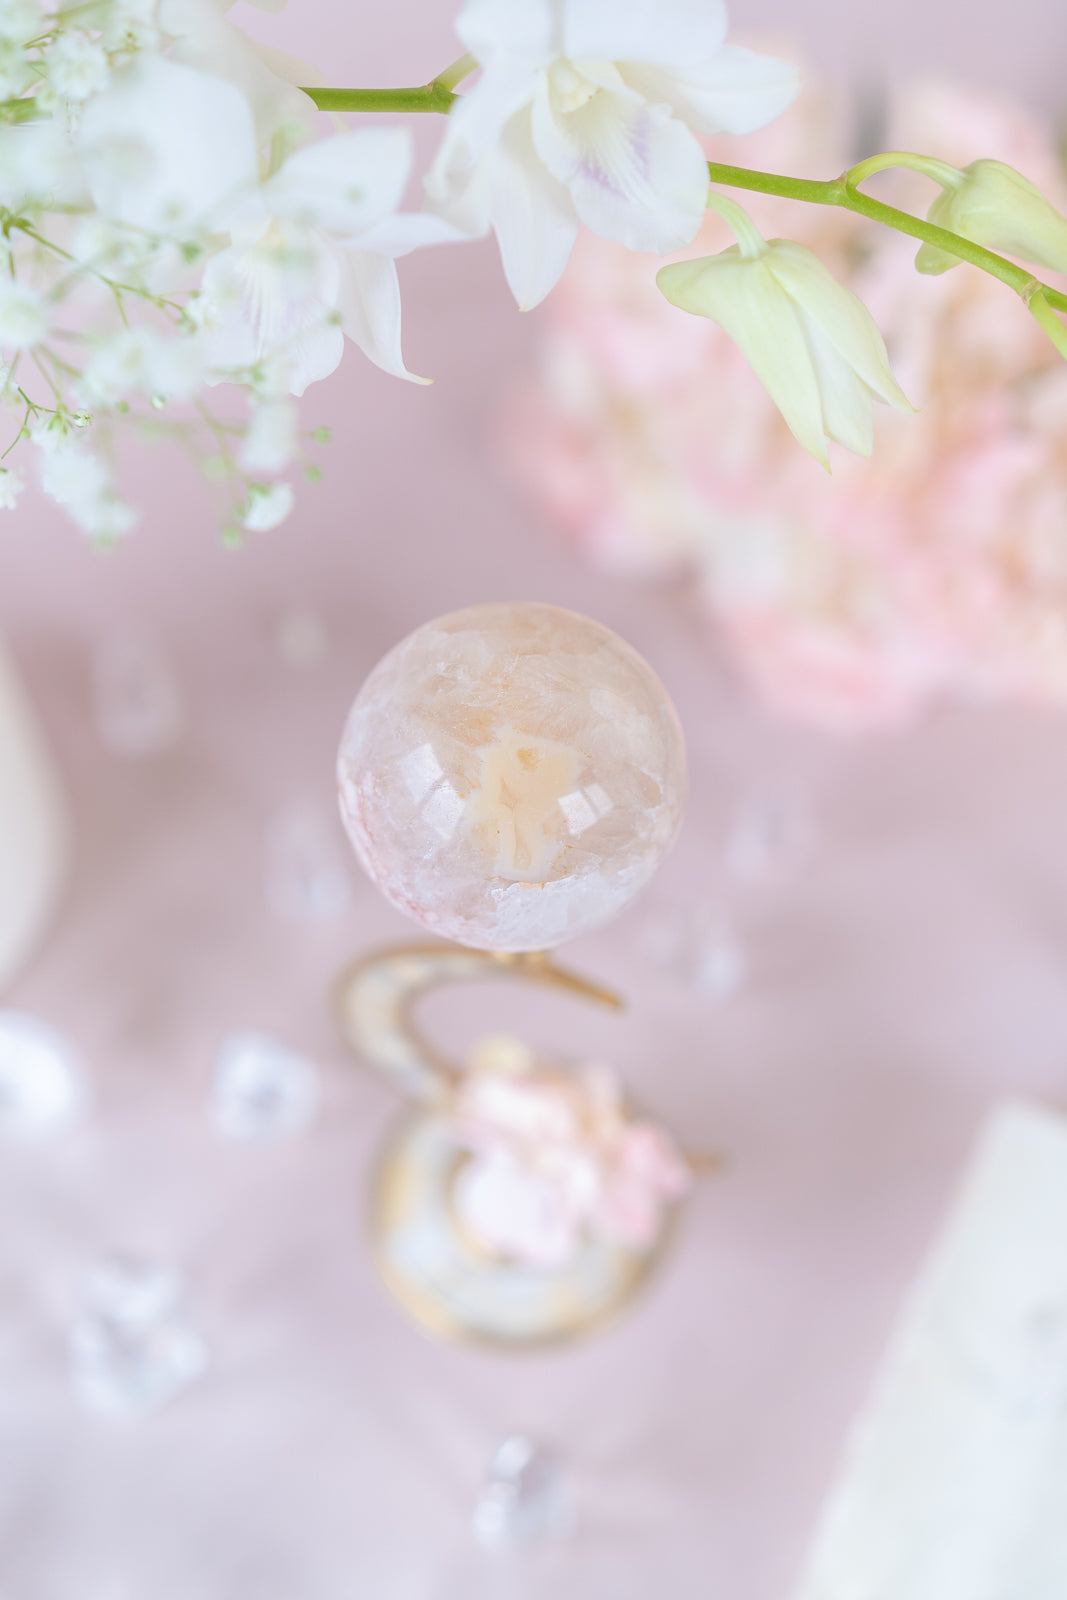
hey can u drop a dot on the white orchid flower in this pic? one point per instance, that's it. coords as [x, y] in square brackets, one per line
[204, 38]
[585, 111]
[168, 149]
[994, 205]
[312, 261]
[811, 342]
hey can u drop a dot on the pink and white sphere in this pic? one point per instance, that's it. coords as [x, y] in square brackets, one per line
[511, 775]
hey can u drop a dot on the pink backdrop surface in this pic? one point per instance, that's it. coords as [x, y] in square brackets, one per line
[909, 976]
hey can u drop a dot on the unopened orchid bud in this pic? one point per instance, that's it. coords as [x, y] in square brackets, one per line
[993, 205]
[811, 342]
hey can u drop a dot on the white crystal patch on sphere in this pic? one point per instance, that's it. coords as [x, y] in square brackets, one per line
[511, 775]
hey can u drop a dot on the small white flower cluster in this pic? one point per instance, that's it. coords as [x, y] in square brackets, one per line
[170, 223]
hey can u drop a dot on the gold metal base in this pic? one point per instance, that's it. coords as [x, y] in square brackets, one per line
[449, 1283]
[454, 1288]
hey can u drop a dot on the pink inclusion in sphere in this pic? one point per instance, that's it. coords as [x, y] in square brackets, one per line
[511, 775]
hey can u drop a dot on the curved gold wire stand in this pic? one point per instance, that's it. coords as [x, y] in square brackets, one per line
[448, 1282]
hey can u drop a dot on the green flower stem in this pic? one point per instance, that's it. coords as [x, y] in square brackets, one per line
[47, 376]
[948, 177]
[1044, 314]
[437, 95]
[460, 69]
[117, 289]
[26, 109]
[430, 97]
[32, 410]
[750, 241]
[841, 192]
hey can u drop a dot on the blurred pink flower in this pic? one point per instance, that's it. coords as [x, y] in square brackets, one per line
[556, 1158]
[939, 565]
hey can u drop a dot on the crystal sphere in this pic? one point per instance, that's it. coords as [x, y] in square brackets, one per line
[511, 775]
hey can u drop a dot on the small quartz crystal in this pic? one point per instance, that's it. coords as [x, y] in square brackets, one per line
[696, 945]
[771, 836]
[43, 1084]
[511, 775]
[526, 1497]
[261, 1089]
[131, 1347]
[306, 876]
[136, 698]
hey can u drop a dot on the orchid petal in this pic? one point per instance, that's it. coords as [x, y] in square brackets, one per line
[290, 69]
[204, 39]
[311, 355]
[737, 91]
[743, 296]
[275, 299]
[847, 414]
[526, 30]
[406, 231]
[635, 174]
[477, 118]
[842, 314]
[344, 184]
[167, 147]
[996, 206]
[369, 303]
[459, 193]
[671, 33]
[533, 216]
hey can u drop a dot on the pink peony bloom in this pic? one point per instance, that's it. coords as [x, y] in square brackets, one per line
[938, 566]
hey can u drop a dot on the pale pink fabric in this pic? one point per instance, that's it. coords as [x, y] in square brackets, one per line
[914, 974]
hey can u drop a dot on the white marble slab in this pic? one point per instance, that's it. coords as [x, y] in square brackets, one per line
[955, 1483]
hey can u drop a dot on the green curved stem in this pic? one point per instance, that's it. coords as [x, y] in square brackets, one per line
[1044, 314]
[437, 95]
[947, 176]
[460, 69]
[26, 109]
[750, 241]
[842, 192]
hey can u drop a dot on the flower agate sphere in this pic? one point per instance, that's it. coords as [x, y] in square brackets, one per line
[511, 775]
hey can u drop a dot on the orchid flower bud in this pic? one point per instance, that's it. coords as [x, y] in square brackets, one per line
[811, 342]
[993, 205]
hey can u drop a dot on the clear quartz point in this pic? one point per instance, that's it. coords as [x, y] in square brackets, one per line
[526, 1497]
[137, 702]
[772, 835]
[306, 875]
[718, 963]
[131, 1347]
[261, 1089]
[698, 946]
[43, 1084]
